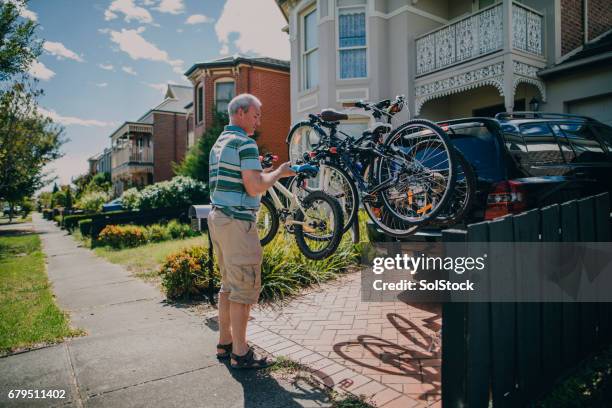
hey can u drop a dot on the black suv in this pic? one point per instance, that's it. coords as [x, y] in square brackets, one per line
[527, 160]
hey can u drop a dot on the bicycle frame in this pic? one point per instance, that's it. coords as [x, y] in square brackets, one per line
[293, 203]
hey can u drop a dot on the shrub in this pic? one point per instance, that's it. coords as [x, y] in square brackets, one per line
[185, 272]
[85, 227]
[72, 221]
[180, 231]
[180, 192]
[157, 233]
[93, 200]
[121, 236]
[130, 199]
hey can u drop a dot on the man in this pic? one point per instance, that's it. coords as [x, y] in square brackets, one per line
[236, 183]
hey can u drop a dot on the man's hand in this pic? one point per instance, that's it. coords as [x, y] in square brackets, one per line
[285, 170]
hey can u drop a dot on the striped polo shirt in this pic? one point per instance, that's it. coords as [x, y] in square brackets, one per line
[233, 152]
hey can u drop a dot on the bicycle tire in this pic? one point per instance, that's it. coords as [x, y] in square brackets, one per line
[460, 203]
[267, 203]
[389, 224]
[336, 236]
[297, 148]
[437, 135]
[349, 210]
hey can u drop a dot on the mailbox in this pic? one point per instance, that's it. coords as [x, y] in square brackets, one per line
[198, 214]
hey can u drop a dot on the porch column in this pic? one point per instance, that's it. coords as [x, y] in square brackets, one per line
[507, 40]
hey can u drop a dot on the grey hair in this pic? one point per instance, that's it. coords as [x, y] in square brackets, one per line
[242, 102]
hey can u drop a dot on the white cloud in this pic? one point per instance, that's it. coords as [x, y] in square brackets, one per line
[198, 19]
[224, 50]
[129, 70]
[23, 11]
[179, 30]
[171, 6]
[40, 71]
[162, 87]
[258, 25]
[130, 10]
[107, 67]
[132, 43]
[71, 120]
[102, 85]
[60, 51]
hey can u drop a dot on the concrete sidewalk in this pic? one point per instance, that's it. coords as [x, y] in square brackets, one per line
[139, 351]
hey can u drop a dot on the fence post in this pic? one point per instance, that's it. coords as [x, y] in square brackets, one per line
[589, 311]
[571, 311]
[454, 356]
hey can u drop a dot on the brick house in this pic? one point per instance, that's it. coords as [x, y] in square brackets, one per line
[451, 59]
[216, 82]
[143, 151]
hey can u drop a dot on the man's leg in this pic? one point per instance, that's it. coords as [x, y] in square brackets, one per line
[225, 325]
[239, 318]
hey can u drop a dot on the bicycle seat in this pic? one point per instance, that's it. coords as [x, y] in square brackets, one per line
[331, 115]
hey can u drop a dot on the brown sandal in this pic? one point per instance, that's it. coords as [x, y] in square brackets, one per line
[226, 354]
[249, 361]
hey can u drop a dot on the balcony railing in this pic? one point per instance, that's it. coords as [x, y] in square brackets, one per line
[132, 155]
[477, 35]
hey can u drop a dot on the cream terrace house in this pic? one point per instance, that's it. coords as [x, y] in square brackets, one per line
[451, 59]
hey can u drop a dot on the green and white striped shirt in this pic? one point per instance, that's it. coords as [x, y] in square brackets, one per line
[233, 152]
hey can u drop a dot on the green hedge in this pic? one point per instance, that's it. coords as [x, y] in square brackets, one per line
[85, 227]
[72, 221]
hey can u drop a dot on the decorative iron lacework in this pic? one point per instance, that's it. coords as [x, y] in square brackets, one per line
[470, 37]
[524, 73]
[489, 75]
[526, 30]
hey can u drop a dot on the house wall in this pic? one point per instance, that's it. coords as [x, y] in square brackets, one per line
[272, 87]
[599, 14]
[169, 143]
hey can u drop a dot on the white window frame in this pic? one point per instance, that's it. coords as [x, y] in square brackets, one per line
[303, 52]
[222, 81]
[199, 120]
[366, 46]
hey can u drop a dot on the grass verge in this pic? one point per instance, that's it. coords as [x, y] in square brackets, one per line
[28, 313]
[16, 220]
[144, 261]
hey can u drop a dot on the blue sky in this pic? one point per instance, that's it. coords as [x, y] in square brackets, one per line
[107, 61]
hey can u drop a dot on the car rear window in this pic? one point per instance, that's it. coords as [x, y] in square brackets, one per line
[479, 146]
[584, 142]
[542, 146]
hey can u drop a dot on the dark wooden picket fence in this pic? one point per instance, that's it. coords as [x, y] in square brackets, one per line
[507, 354]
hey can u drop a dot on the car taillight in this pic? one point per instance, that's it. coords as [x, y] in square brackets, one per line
[507, 197]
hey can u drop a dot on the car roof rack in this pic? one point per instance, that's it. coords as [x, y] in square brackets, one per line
[538, 115]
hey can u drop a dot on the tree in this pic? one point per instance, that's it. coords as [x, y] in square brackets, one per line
[195, 164]
[18, 45]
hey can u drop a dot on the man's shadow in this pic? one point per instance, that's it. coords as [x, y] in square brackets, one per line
[261, 389]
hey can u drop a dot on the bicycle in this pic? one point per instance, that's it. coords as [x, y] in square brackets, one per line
[314, 219]
[403, 177]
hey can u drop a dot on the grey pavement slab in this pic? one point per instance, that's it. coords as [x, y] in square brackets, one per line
[139, 351]
[209, 388]
[43, 369]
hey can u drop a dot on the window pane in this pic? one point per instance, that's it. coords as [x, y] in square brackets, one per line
[200, 102]
[310, 31]
[351, 28]
[541, 144]
[582, 139]
[312, 69]
[353, 64]
[605, 135]
[225, 91]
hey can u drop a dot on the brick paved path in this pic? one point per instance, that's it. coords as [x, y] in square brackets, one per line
[389, 351]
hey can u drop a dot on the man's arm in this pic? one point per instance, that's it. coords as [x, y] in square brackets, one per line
[257, 182]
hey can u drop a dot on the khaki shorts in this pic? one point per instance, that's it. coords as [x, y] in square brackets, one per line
[239, 255]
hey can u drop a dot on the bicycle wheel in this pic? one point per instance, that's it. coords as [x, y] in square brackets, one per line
[336, 182]
[420, 171]
[320, 230]
[462, 199]
[383, 218]
[267, 221]
[303, 137]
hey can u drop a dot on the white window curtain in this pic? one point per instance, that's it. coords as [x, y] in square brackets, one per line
[224, 93]
[352, 42]
[310, 51]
